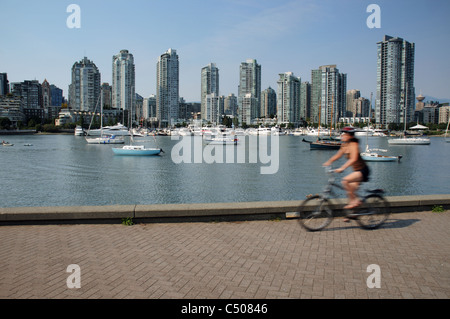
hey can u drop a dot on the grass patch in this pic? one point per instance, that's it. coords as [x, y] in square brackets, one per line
[127, 221]
[438, 209]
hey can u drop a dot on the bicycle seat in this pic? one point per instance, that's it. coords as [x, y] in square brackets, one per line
[375, 191]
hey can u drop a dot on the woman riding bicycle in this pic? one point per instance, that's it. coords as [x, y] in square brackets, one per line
[350, 148]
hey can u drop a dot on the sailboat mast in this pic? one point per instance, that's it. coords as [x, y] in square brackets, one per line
[101, 119]
[332, 106]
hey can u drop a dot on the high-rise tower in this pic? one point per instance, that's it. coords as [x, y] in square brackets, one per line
[167, 88]
[249, 90]
[395, 81]
[123, 81]
[84, 90]
[288, 98]
[209, 85]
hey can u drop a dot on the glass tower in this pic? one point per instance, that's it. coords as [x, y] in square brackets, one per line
[395, 81]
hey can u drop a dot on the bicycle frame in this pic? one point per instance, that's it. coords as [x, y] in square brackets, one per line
[328, 189]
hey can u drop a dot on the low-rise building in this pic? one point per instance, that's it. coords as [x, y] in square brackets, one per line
[12, 107]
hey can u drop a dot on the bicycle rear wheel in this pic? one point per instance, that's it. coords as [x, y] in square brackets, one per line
[374, 211]
[315, 213]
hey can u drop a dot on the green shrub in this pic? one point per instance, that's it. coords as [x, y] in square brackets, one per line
[437, 209]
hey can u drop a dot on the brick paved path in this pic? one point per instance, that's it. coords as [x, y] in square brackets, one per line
[256, 259]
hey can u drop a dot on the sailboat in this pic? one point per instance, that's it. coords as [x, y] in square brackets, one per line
[136, 150]
[103, 139]
[408, 140]
[322, 144]
[371, 155]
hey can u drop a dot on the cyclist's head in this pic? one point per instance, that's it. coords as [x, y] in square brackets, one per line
[348, 130]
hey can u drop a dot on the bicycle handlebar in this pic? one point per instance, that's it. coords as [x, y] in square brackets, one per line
[329, 170]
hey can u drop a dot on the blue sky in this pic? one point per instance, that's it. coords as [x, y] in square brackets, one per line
[295, 36]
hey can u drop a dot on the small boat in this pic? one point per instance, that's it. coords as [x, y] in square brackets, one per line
[79, 131]
[222, 140]
[323, 144]
[6, 144]
[263, 131]
[27, 144]
[409, 141]
[372, 156]
[118, 130]
[105, 139]
[136, 150]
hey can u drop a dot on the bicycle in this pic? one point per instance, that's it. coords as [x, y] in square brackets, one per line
[317, 211]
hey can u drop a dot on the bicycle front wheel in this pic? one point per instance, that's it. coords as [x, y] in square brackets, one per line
[315, 213]
[374, 211]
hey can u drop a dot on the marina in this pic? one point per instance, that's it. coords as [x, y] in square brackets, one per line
[64, 170]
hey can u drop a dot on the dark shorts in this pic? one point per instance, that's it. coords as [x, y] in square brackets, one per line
[365, 173]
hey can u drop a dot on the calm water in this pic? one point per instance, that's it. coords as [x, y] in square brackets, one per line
[63, 170]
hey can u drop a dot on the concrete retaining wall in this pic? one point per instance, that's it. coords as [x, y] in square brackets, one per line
[192, 212]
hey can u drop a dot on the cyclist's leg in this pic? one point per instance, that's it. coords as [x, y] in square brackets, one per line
[351, 184]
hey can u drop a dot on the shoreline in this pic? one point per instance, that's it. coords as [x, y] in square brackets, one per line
[199, 212]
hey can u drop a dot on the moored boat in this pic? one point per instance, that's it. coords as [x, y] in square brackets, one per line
[371, 155]
[136, 150]
[222, 140]
[323, 144]
[106, 139]
[409, 141]
[6, 144]
[79, 131]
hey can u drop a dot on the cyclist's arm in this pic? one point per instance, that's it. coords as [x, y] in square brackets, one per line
[335, 157]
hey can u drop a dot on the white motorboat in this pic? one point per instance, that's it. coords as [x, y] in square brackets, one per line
[298, 132]
[117, 130]
[366, 131]
[138, 133]
[275, 130]
[379, 133]
[409, 141]
[79, 131]
[314, 132]
[263, 131]
[105, 139]
[224, 140]
[184, 131]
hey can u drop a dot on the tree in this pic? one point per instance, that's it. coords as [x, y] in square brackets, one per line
[5, 123]
[227, 121]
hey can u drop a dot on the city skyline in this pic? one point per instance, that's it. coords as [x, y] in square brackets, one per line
[286, 36]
